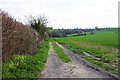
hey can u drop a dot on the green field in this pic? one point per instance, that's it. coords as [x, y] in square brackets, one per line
[103, 45]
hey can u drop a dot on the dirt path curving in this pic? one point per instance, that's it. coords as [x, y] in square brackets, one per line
[75, 69]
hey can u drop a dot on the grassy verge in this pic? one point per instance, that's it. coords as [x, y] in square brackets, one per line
[60, 53]
[26, 66]
[101, 64]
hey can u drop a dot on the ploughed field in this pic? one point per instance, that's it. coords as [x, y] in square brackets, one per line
[101, 48]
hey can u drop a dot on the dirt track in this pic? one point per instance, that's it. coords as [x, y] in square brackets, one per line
[75, 69]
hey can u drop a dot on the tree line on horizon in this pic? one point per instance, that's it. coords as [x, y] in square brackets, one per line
[78, 31]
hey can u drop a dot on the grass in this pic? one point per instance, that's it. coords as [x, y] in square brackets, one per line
[26, 66]
[60, 53]
[104, 38]
[71, 35]
[101, 64]
[102, 45]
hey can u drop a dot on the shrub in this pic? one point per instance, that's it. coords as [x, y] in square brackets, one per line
[39, 24]
[17, 38]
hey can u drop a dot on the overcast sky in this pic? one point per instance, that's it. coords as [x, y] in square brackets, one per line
[66, 13]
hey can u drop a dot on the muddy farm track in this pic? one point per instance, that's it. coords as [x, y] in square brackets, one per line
[54, 68]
